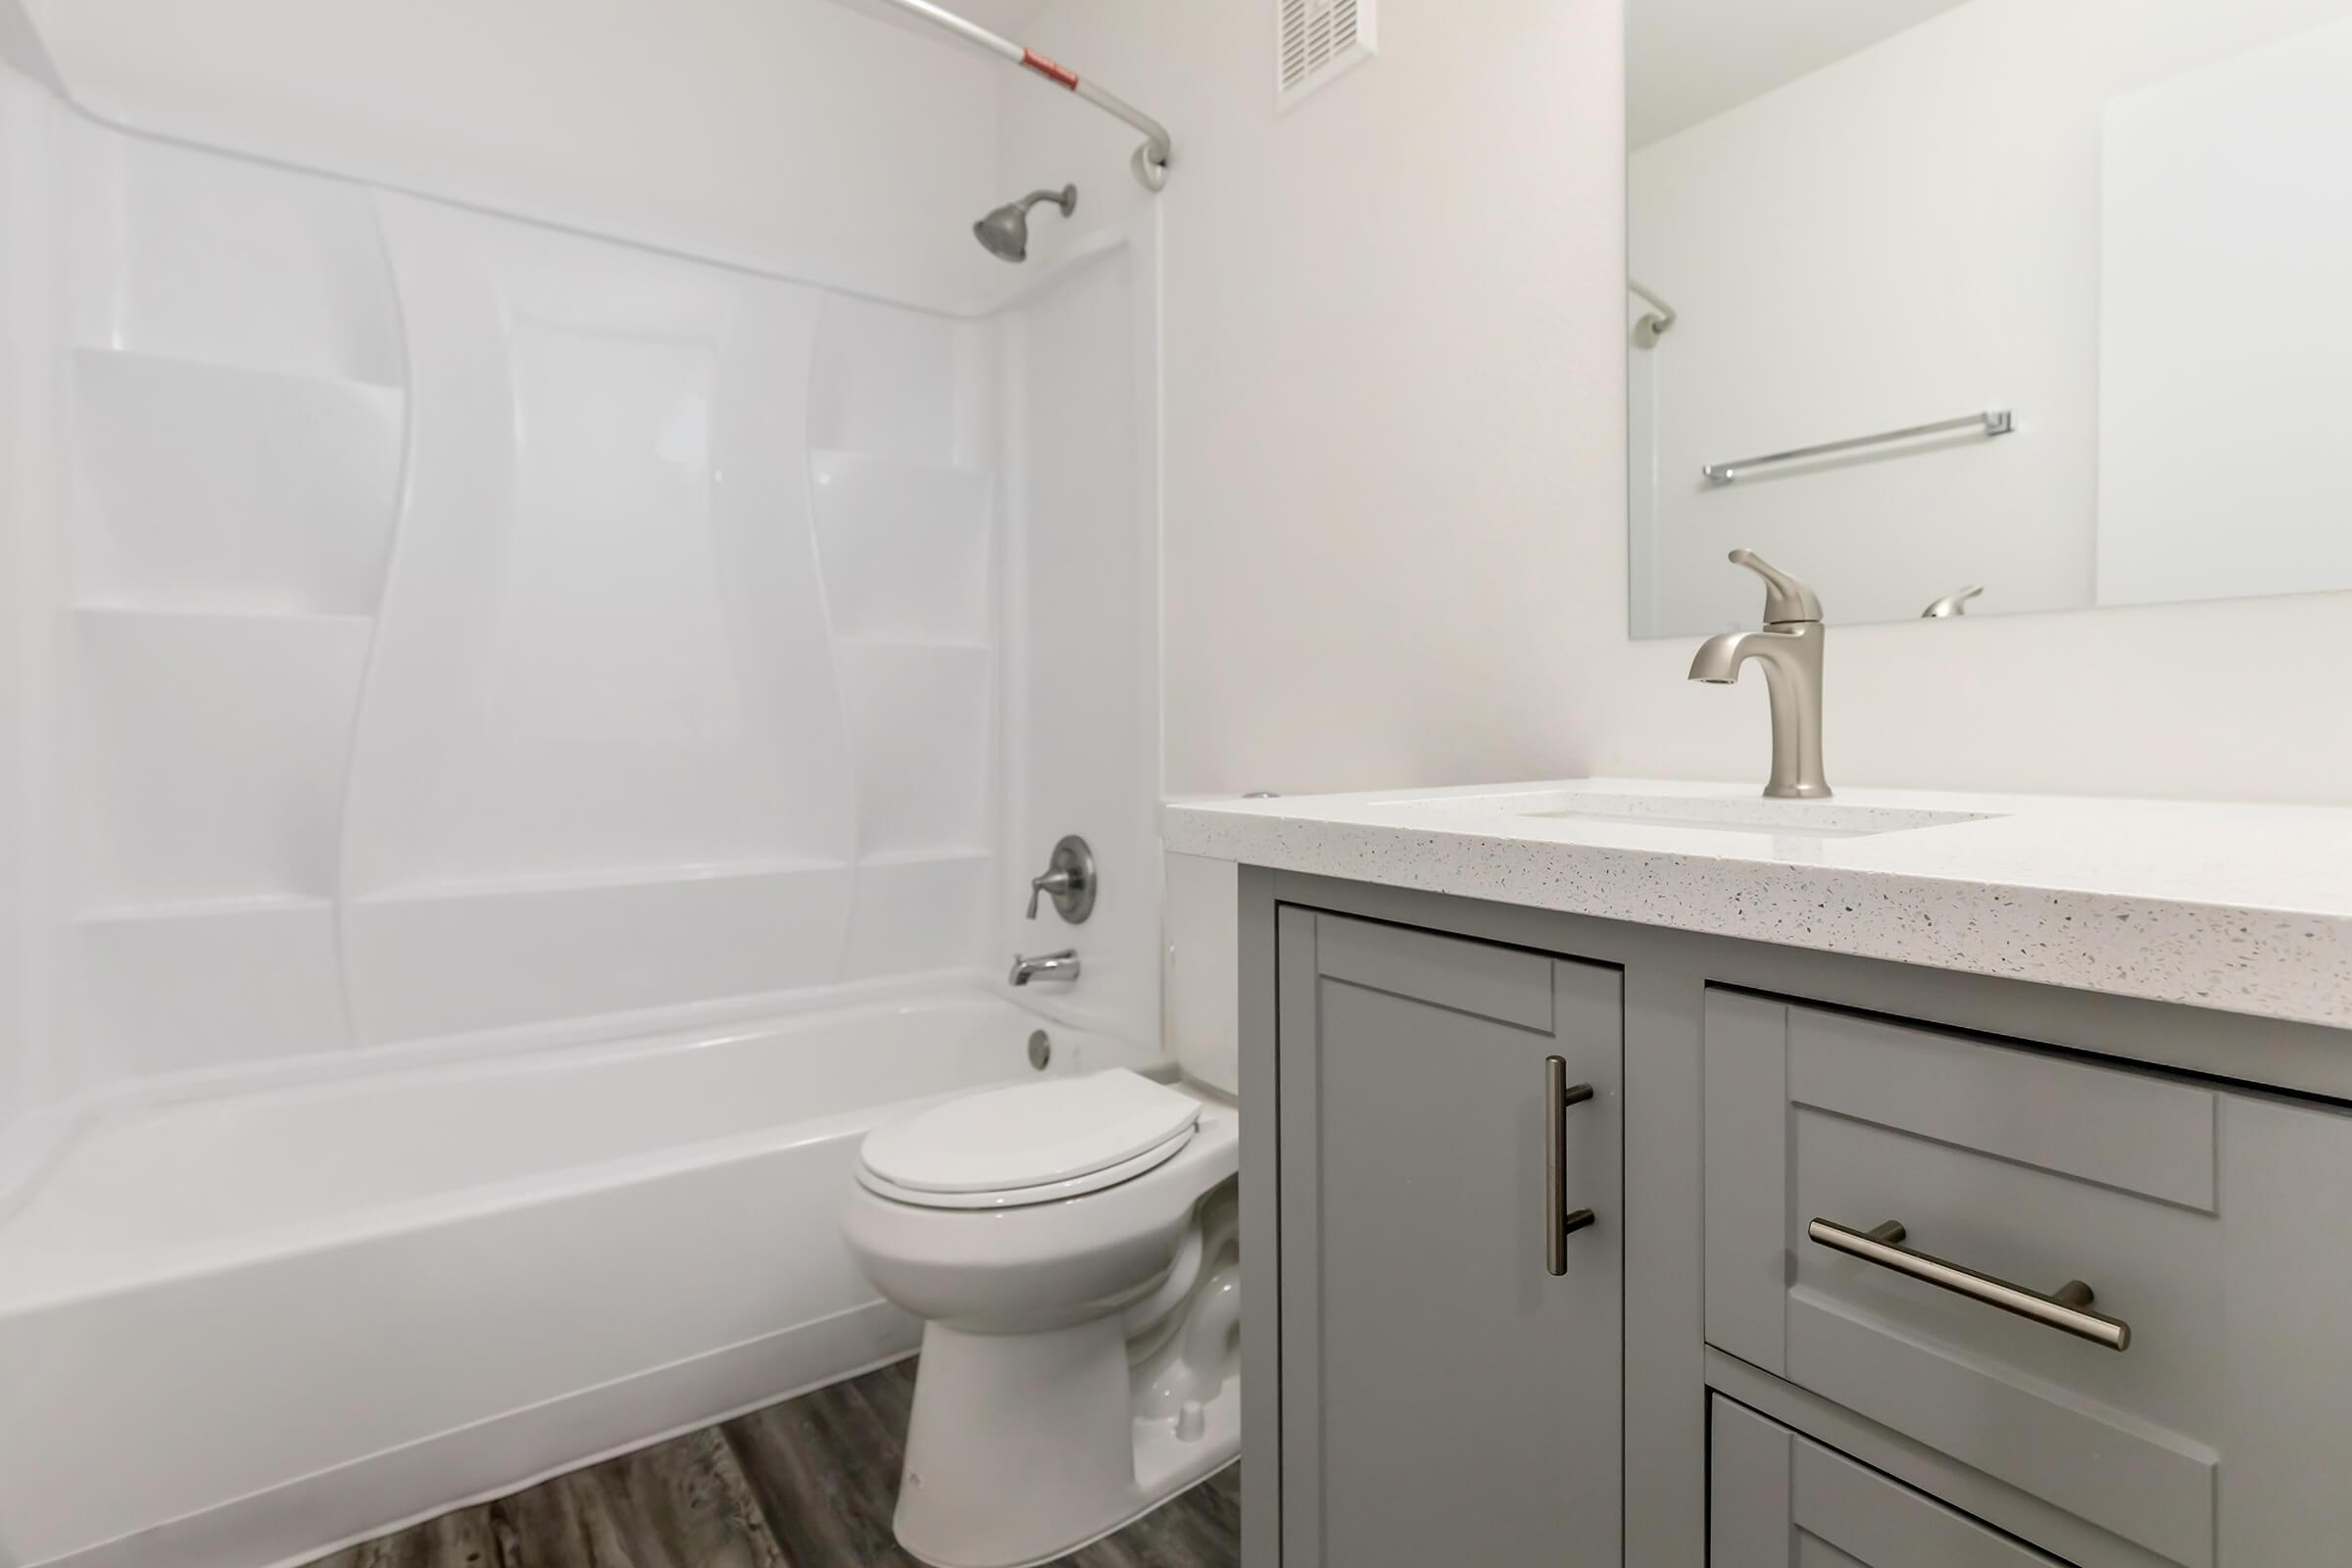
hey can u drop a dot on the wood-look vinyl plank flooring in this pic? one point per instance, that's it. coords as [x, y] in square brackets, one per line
[806, 1483]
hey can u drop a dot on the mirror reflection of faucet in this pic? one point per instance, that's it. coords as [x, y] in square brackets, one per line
[1789, 649]
[1950, 605]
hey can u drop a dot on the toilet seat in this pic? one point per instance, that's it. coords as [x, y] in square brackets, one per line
[1034, 1143]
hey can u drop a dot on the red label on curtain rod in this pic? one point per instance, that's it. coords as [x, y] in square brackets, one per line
[1049, 69]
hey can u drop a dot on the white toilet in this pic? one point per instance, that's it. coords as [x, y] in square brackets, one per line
[1071, 1246]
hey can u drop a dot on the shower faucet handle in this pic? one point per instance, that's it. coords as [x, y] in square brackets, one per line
[1056, 883]
[1070, 880]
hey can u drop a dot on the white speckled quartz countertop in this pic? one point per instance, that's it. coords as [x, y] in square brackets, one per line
[2248, 908]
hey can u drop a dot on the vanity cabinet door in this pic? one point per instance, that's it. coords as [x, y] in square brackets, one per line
[1446, 1398]
[1775, 1499]
[2207, 1220]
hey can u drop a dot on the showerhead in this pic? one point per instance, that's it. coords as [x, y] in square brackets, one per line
[1005, 233]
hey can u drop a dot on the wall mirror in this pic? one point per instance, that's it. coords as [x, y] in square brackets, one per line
[2042, 303]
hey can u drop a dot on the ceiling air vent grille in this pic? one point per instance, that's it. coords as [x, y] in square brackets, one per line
[1314, 41]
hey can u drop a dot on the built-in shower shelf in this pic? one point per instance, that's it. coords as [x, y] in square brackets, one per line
[587, 881]
[200, 483]
[926, 856]
[264, 905]
[832, 460]
[210, 748]
[196, 618]
[922, 907]
[171, 985]
[225, 371]
[432, 959]
[944, 645]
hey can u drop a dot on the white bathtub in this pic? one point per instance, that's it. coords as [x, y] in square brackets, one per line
[245, 1328]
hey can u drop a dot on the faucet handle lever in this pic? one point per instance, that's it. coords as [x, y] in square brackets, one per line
[1070, 880]
[1786, 600]
[1056, 883]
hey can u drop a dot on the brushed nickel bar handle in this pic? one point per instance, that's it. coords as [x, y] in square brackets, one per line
[1559, 1221]
[2063, 1310]
[1993, 422]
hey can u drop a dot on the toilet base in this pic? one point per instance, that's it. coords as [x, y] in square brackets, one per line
[1024, 1447]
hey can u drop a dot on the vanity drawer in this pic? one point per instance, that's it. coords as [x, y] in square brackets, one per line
[2206, 1221]
[1775, 1499]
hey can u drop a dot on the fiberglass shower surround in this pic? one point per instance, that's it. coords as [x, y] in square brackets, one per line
[453, 595]
[581, 681]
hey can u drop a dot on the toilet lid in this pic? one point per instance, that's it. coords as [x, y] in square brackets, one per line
[1031, 1135]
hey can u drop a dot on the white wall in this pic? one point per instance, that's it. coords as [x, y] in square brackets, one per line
[1385, 395]
[1911, 234]
[1396, 543]
[1690, 59]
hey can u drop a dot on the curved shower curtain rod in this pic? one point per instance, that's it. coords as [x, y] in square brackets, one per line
[1151, 160]
[1666, 317]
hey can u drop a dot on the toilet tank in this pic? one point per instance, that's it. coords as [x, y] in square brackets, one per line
[1200, 970]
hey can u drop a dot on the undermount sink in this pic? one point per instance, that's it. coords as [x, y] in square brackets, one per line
[1819, 819]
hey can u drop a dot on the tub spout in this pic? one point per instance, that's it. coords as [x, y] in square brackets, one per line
[1063, 965]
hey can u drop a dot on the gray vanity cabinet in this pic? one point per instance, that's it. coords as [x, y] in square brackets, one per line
[1886, 1267]
[1780, 1500]
[1445, 1398]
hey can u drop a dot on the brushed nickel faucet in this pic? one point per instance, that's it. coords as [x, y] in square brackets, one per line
[1063, 965]
[1071, 880]
[1789, 649]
